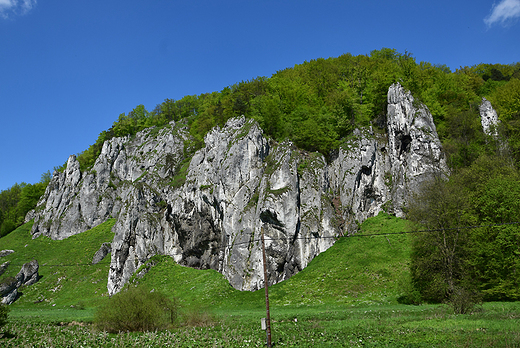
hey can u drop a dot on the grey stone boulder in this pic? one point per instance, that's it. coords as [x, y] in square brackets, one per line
[28, 275]
[7, 286]
[9, 291]
[10, 297]
[3, 267]
[103, 251]
[6, 252]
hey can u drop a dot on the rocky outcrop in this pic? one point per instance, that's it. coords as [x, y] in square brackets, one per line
[6, 252]
[488, 118]
[3, 267]
[28, 275]
[491, 127]
[414, 149]
[209, 212]
[8, 291]
[102, 252]
[76, 201]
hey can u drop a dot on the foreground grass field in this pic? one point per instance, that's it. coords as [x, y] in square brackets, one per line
[346, 297]
[493, 325]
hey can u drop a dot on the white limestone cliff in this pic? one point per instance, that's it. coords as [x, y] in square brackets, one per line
[239, 183]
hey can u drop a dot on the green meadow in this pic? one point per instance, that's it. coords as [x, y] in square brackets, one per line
[346, 297]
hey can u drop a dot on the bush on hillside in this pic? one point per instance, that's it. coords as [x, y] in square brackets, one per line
[198, 318]
[136, 309]
[410, 295]
[4, 310]
[464, 299]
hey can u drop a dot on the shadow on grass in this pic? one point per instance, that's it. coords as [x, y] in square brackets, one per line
[6, 335]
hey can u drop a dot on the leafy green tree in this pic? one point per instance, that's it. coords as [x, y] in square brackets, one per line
[506, 99]
[464, 140]
[439, 259]
[8, 206]
[7, 227]
[46, 178]
[18, 200]
[494, 189]
[29, 197]
[455, 262]
[316, 132]
[167, 108]
[267, 110]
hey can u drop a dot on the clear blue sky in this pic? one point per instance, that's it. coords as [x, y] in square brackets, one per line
[69, 68]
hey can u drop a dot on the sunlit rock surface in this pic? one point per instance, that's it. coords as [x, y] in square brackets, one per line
[238, 184]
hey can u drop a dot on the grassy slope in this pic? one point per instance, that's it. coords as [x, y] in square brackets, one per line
[67, 276]
[361, 269]
[355, 270]
[349, 299]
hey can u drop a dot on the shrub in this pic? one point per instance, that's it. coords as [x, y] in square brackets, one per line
[198, 318]
[464, 299]
[180, 177]
[4, 310]
[410, 295]
[136, 309]
[7, 227]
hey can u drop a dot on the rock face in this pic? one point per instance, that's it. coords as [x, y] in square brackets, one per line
[103, 251]
[414, 148]
[491, 127]
[488, 118]
[210, 213]
[28, 275]
[75, 202]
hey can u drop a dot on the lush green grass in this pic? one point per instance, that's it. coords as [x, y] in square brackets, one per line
[495, 325]
[67, 276]
[356, 270]
[361, 269]
[346, 297]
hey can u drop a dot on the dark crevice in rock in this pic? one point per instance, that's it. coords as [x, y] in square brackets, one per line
[404, 141]
[365, 170]
[270, 217]
[297, 232]
[199, 239]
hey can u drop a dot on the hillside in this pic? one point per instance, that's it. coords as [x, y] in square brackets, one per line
[306, 156]
[356, 270]
[207, 209]
[349, 299]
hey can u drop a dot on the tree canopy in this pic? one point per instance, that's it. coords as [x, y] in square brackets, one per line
[318, 103]
[470, 233]
[18, 200]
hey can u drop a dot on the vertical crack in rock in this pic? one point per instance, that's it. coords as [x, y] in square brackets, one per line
[403, 143]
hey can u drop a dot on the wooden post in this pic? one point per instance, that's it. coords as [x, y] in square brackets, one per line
[268, 317]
